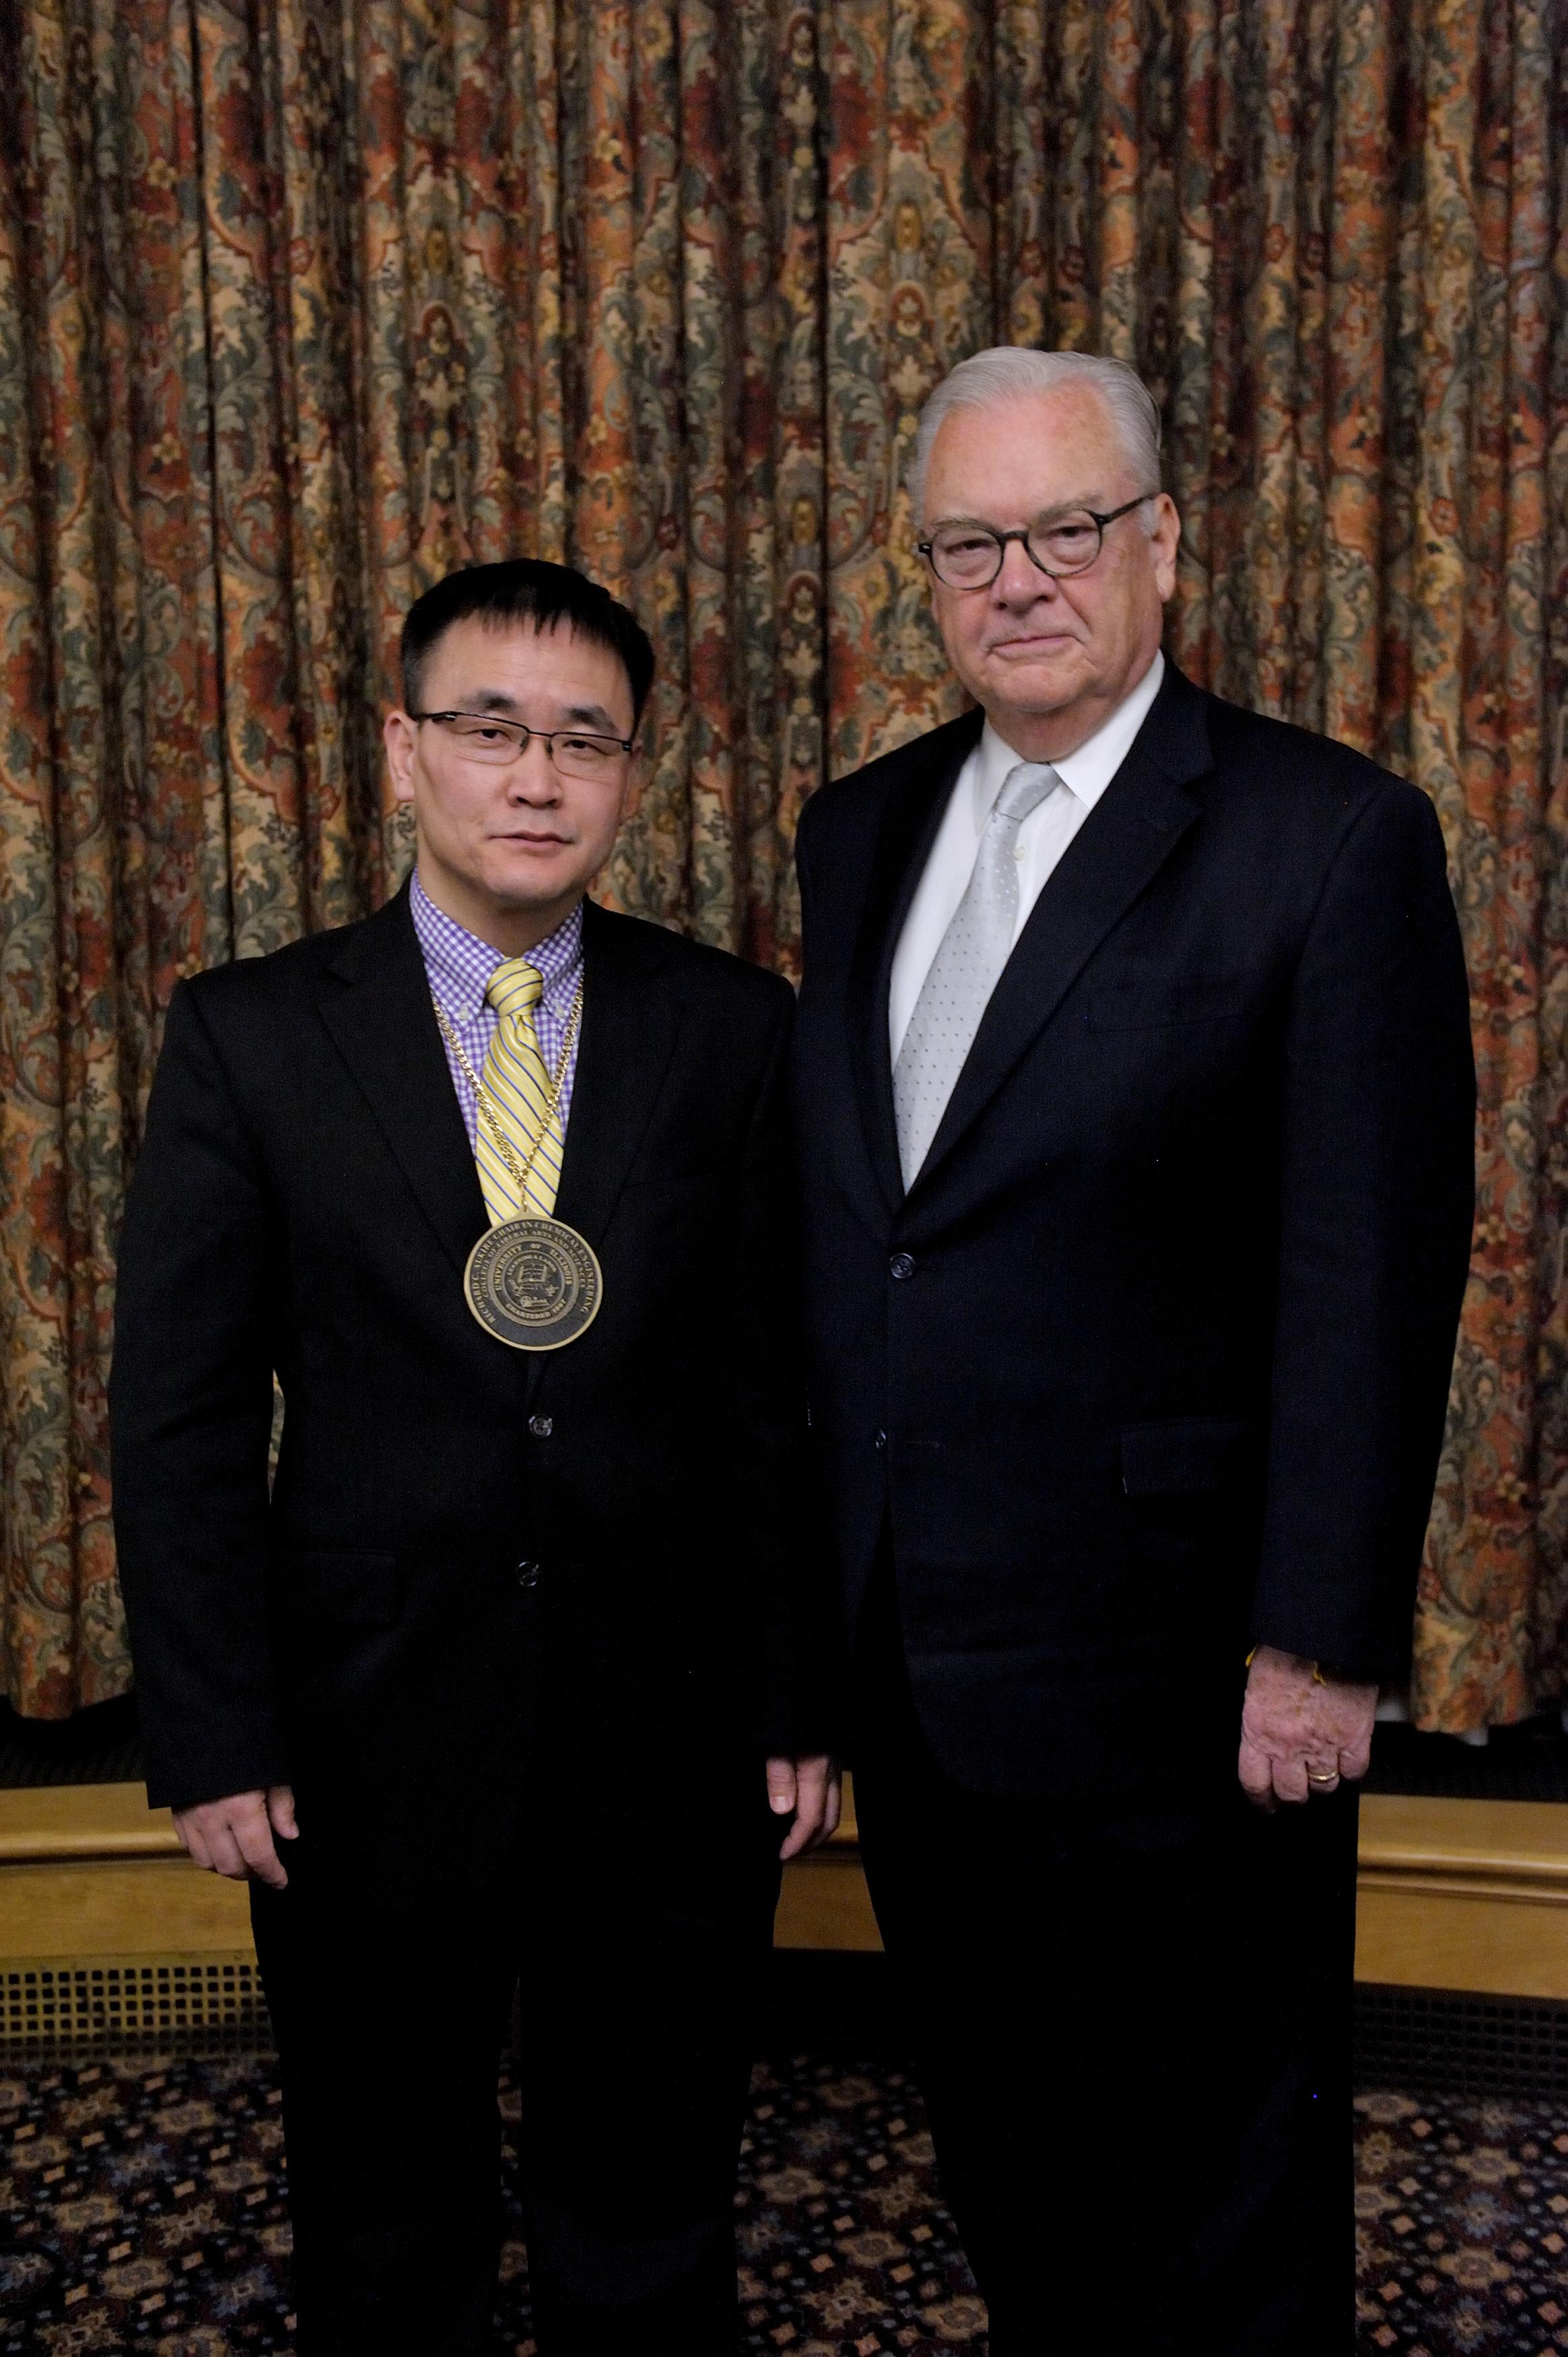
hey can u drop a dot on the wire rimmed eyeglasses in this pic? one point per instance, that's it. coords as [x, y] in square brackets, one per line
[482, 736]
[971, 555]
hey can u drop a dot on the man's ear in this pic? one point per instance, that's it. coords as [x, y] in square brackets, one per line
[636, 778]
[1166, 541]
[399, 735]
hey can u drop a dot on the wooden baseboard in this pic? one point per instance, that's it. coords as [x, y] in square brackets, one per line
[109, 1936]
[824, 1903]
[1467, 1894]
[1464, 1895]
[89, 1870]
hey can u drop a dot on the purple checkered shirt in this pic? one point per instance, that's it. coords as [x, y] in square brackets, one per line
[460, 967]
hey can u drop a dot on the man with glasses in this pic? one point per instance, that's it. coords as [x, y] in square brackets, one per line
[512, 1683]
[1134, 1095]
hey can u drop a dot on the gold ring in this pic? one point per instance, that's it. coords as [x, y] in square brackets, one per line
[1332, 1777]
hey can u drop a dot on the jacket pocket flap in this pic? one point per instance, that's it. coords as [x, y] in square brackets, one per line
[1182, 1456]
[332, 1584]
[1151, 1005]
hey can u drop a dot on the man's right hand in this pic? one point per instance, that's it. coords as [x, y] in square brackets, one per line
[235, 1836]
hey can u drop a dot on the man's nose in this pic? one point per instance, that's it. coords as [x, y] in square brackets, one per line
[1020, 580]
[533, 777]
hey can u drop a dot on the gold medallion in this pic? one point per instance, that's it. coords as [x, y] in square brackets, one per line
[534, 1283]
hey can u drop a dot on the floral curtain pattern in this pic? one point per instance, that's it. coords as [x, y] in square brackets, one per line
[303, 302]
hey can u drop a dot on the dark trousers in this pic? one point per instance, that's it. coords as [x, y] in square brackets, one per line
[635, 1969]
[1133, 2034]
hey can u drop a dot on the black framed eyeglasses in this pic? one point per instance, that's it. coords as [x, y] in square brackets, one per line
[483, 738]
[971, 555]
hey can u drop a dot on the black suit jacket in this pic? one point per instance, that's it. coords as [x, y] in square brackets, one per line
[1151, 1361]
[453, 1520]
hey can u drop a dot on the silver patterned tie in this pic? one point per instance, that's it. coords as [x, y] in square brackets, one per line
[963, 974]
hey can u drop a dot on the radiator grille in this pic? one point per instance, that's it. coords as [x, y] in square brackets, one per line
[167, 2004]
[1437, 2040]
[1407, 2038]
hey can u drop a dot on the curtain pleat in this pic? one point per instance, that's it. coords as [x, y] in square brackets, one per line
[303, 302]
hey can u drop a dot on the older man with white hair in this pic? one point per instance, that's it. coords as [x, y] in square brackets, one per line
[1134, 1102]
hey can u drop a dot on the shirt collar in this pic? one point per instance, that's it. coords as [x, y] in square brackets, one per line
[1087, 773]
[459, 963]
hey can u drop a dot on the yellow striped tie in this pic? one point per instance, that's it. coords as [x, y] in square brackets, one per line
[518, 1086]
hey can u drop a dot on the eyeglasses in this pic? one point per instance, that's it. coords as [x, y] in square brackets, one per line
[971, 555]
[480, 736]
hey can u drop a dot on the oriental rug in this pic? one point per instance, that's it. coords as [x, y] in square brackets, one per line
[142, 2209]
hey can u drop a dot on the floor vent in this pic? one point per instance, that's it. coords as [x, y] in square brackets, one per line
[164, 2004]
[1441, 2041]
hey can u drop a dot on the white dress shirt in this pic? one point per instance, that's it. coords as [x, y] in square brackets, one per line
[1042, 839]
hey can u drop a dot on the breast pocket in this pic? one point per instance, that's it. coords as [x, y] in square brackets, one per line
[1154, 1005]
[675, 1169]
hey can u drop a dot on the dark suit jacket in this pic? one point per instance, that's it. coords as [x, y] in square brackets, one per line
[1150, 1362]
[453, 1519]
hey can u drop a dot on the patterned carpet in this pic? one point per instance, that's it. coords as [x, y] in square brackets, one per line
[142, 2209]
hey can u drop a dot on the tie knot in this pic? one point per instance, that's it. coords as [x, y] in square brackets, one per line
[515, 987]
[1024, 789]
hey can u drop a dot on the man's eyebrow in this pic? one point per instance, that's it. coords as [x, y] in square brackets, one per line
[590, 715]
[1093, 504]
[574, 715]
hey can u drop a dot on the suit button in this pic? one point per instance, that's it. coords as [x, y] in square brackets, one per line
[902, 1264]
[879, 1441]
[541, 1426]
[527, 1574]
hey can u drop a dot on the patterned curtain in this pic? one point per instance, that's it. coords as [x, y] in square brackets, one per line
[303, 301]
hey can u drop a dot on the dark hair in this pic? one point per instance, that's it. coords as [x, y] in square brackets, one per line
[526, 589]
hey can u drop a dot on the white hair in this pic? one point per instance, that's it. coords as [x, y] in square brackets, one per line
[1015, 372]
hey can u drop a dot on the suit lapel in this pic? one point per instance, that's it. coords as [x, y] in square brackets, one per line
[1120, 849]
[910, 818]
[628, 1034]
[375, 1002]
[628, 1038]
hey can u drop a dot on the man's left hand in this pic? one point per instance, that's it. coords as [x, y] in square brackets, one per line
[811, 1789]
[1300, 1733]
